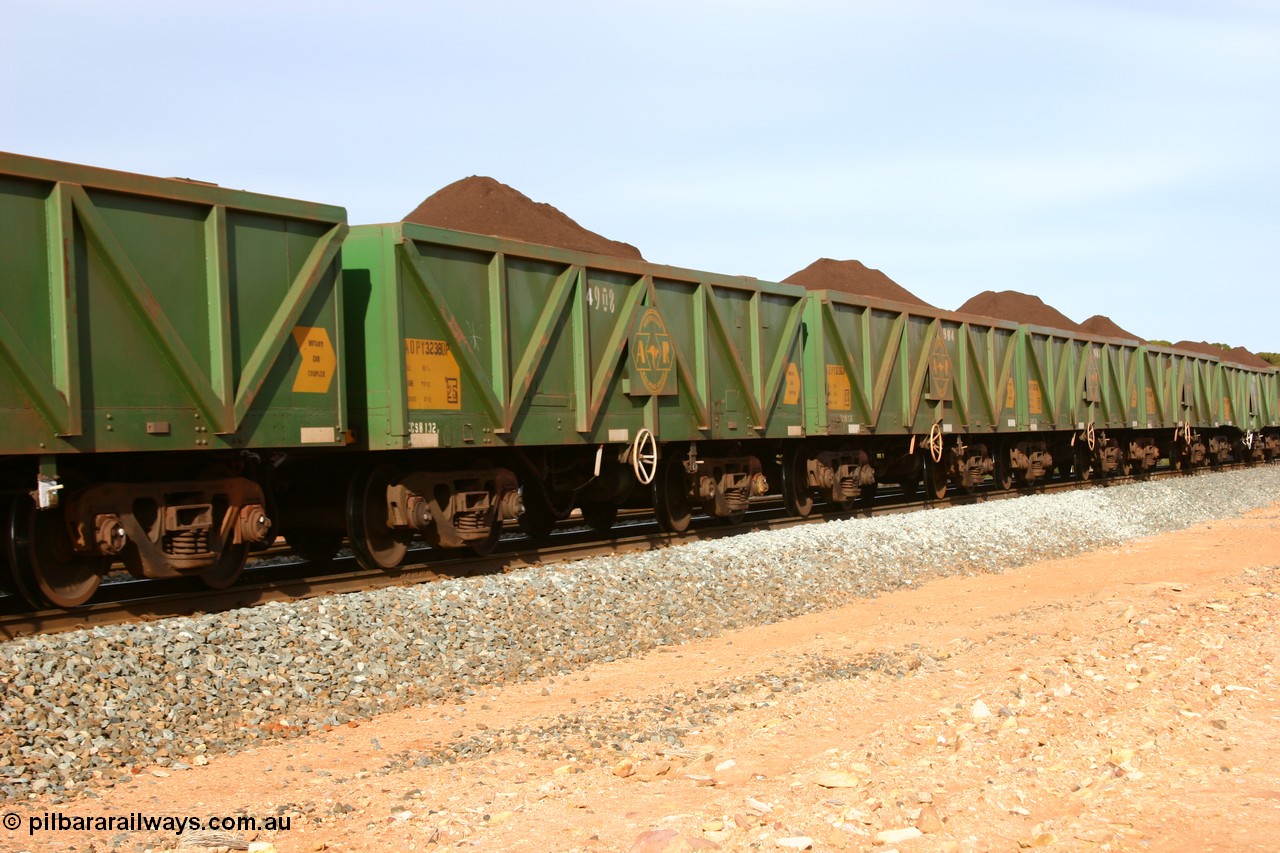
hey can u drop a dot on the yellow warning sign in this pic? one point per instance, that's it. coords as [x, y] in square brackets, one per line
[1035, 401]
[1151, 401]
[839, 391]
[791, 395]
[432, 378]
[315, 373]
[1010, 394]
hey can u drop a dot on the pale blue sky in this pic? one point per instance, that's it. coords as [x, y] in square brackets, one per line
[1111, 157]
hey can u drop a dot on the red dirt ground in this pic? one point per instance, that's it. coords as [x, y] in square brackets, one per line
[1123, 700]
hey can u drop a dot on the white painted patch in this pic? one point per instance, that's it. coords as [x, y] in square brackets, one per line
[424, 439]
[619, 435]
[1012, 422]
[946, 427]
[795, 430]
[317, 435]
[854, 429]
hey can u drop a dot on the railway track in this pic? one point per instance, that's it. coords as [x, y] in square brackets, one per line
[277, 577]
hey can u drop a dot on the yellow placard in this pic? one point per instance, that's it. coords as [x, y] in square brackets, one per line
[315, 373]
[1151, 401]
[1035, 401]
[432, 378]
[1226, 409]
[791, 395]
[839, 391]
[1010, 394]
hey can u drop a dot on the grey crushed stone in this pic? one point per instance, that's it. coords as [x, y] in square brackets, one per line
[80, 708]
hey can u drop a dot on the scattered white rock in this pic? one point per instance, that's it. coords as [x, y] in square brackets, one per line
[893, 836]
[837, 779]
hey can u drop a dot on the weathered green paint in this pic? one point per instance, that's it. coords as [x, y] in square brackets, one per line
[906, 370]
[132, 301]
[544, 344]
[1006, 377]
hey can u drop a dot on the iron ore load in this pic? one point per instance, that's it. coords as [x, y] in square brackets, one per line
[188, 372]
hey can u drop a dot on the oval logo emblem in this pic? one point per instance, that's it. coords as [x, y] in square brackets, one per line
[652, 352]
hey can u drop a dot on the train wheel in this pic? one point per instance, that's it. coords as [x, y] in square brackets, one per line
[1124, 468]
[600, 516]
[44, 568]
[10, 582]
[1003, 470]
[375, 545]
[795, 482]
[671, 496]
[229, 567]
[935, 480]
[6, 574]
[539, 518]
[1083, 464]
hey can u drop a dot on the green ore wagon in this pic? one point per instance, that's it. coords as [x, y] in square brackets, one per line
[186, 371]
[523, 381]
[155, 335]
[951, 400]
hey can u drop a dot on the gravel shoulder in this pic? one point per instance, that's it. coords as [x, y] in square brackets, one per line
[1114, 700]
